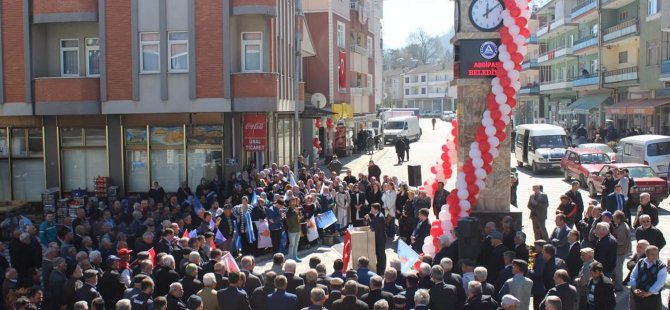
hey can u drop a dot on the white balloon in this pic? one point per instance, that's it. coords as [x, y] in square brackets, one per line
[495, 81]
[464, 204]
[516, 85]
[522, 50]
[513, 75]
[526, 13]
[486, 122]
[463, 194]
[496, 89]
[490, 131]
[477, 162]
[474, 153]
[466, 208]
[445, 208]
[522, 3]
[504, 108]
[508, 65]
[428, 249]
[508, 21]
[519, 40]
[480, 173]
[463, 214]
[481, 184]
[506, 119]
[428, 240]
[494, 142]
[514, 29]
[460, 183]
[494, 152]
[501, 98]
[505, 13]
[443, 215]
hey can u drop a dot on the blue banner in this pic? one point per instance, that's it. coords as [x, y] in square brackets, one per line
[407, 256]
[325, 219]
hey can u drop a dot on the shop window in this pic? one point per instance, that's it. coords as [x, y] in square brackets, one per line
[69, 57]
[168, 165]
[178, 49]
[252, 51]
[205, 153]
[83, 156]
[150, 52]
[23, 179]
[137, 160]
[92, 57]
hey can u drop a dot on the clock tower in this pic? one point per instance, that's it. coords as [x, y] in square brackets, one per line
[476, 43]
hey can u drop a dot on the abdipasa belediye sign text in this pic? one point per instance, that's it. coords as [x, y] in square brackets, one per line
[478, 58]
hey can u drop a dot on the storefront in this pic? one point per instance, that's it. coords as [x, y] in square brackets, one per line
[22, 175]
[586, 110]
[649, 115]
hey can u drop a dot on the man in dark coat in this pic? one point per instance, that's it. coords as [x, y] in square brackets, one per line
[233, 297]
[573, 260]
[88, 292]
[174, 297]
[164, 245]
[280, 299]
[496, 260]
[576, 198]
[260, 295]
[566, 292]
[303, 291]
[421, 231]
[400, 149]
[377, 224]
[374, 170]
[376, 293]
[190, 283]
[646, 231]
[477, 301]
[111, 287]
[293, 281]
[506, 273]
[253, 281]
[601, 288]
[53, 294]
[439, 198]
[442, 295]
[605, 251]
[520, 246]
[164, 276]
[407, 142]
[349, 301]
[646, 207]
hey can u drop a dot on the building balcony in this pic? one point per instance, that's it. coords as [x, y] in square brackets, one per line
[556, 26]
[584, 43]
[555, 85]
[359, 91]
[614, 4]
[585, 80]
[67, 95]
[359, 49]
[584, 10]
[626, 28]
[530, 90]
[254, 7]
[665, 70]
[621, 75]
[250, 85]
[355, 5]
[62, 11]
[554, 54]
[532, 39]
[530, 64]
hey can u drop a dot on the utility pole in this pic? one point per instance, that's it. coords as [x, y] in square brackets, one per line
[296, 83]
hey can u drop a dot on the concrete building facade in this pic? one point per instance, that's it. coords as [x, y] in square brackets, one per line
[425, 87]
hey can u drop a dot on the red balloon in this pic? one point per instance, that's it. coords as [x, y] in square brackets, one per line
[503, 31]
[505, 81]
[417, 264]
[500, 72]
[436, 223]
[524, 32]
[480, 138]
[512, 49]
[470, 178]
[473, 189]
[484, 147]
[501, 136]
[445, 156]
[517, 66]
[454, 123]
[517, 58]
[511, 102]
[509, 92]
[506, 39]
[487, 157]
[445, 148]
[510, 4]
[521, 22]
[473, 202]
[487, 168]
[514, 12]
[496, 114]
[433, 170]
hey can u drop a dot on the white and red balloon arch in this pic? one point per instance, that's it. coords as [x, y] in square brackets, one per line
[500, 102]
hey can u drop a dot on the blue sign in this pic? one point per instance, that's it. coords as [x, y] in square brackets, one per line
[488, 50]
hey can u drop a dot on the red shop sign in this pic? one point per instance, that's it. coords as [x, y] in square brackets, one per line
[255, 132]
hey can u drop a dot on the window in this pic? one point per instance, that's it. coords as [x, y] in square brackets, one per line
[150, 49]
[407, 79]
[371, 50]
[623, 57]
[84, 157]
[21, 164]
[370, 83]
[653, 51]
[69, 57]
[652, 7]
[178, 51]
[92, 57]
[623, 15]
[423, 78]
[423, 90]
[205, 153]
[406, 91]
[341, 35]
[168, 164]
[252, 51]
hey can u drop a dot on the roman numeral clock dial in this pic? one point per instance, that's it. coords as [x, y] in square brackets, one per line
[486, 15]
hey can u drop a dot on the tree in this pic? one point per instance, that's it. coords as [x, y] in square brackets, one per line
[425, 48]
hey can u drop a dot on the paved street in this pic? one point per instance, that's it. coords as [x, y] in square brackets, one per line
[426, 151]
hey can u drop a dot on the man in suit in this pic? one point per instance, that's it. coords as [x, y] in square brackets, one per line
[233, 297]
[377, 224]
[281, 299]
[260, 295]
[616, 200]
[164, 275]
[336, 286]
[293, 281]
[520, 246]
[605, 251]
[584, 277]
[190, 282]
[421, 231]
[88, 292]
[442, 295]
[576, 198]
[390, 276]
[440, 198]
[506, 273]
[303, 292]
[519, 285]
[376, 293]
[318, 298]
[646, 207]
[349, 301]
[566, 292]
[253, 281]
[538, 204]
[559, 237]
[646, 231]
[453, 278]
[165, 245]
[573, 259]
[602, 289]
[495, 261]
[174, 296]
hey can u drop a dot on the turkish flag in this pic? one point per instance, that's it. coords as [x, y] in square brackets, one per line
[152, 256]
[343, 70]
[346, 253]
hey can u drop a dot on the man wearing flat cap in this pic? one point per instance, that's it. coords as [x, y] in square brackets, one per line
[88, 291]
[496, 260]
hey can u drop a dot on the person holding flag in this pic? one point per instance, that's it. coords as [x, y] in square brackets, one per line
[226, 229]
[275, 220]
[246, 229]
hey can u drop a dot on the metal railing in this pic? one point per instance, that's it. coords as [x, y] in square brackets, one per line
[582, 5]
[626, 24]
[633, 69]
[665, 67]
[359, 49]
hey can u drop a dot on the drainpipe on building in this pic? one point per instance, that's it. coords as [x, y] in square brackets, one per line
[296, 84]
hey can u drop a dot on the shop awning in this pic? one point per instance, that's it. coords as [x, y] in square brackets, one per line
[585, 104]
[312, 112]
[636, 106]
[342, 111]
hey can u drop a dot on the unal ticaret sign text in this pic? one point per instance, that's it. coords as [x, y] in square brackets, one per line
[255, 132]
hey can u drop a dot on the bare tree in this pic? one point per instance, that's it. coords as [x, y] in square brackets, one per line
[425, 48]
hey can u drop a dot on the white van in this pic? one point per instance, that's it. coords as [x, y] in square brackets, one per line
[651, 150]
[540, 146]
[407, 126]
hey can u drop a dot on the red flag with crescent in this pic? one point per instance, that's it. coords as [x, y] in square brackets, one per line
[343, 70]
[346, 252]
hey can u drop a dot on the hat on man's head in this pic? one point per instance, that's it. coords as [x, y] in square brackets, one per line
[111, 259]
[496, 235]
[608, 214]
[509, 300]
[209, 234]
[351, 274]
[123, 252]
[194, 302]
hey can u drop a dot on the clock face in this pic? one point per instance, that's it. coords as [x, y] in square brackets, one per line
[486, 15]
[457, 16]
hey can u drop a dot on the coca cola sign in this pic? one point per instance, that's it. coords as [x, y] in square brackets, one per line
[255, 132]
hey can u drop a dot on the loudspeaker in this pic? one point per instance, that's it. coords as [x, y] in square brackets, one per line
[414, 175]
[469, 233]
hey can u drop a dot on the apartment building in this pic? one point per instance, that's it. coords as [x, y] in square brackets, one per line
[529, 108]
[601, 59]
[393, 88]
[428, 88]
[145, 90]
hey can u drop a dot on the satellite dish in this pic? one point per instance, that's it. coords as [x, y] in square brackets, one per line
[319, 100]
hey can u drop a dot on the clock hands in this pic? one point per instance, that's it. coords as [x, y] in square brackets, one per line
[491, 9]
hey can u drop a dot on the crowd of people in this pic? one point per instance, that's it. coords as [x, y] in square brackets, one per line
[196, 250]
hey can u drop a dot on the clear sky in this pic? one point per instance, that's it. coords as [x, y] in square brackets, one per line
[402, 17]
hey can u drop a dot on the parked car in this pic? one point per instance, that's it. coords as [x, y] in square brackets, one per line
[580, 163]
[646, 181]
[601, 147]
[652, 150]
[448, 116]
